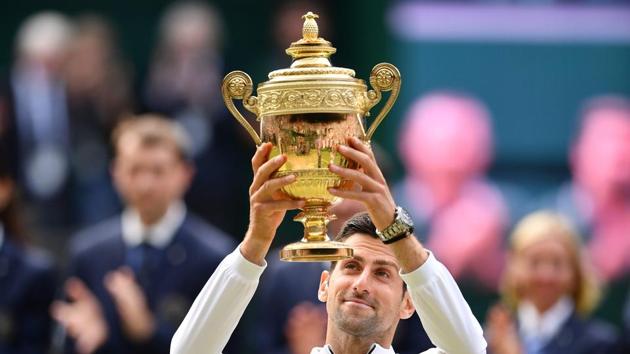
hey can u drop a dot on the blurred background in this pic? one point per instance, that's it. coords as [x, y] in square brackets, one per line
[506, 107]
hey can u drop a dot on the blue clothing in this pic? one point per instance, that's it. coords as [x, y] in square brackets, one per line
[579, 336]
[27, 288]
[171, 276]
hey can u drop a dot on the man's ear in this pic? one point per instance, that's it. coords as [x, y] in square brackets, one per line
[322, 293]
[406, 306]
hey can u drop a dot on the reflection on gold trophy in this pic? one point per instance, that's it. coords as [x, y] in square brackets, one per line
[305, 111]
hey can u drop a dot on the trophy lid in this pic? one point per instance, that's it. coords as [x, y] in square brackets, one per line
[312, 84]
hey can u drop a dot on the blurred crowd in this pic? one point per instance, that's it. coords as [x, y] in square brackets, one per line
[117, 202]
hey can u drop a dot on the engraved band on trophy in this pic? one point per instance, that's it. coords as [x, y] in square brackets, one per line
[305, 111]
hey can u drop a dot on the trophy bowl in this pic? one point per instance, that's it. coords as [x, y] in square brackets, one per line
[305, 111]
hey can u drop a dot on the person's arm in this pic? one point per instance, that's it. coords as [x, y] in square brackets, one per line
[444, 313]
[217, 309]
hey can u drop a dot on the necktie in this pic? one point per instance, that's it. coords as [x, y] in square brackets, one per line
[143, 260]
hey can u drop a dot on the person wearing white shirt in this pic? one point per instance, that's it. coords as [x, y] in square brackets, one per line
[390, 276]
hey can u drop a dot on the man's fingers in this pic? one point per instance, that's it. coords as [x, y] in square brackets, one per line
[122, 286]
[267, 190]
[362, 154]
[281, 205]
[86, 344]
[361, 146]
[60, 311]
[354, 195]
[66, 315]
[358, 177]
[265, 171]
[76, 290]
[261, 156]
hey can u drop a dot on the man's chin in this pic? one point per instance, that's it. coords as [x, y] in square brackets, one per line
[356, 324]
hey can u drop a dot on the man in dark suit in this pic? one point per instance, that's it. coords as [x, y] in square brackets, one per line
[134, 277]
[27, 279]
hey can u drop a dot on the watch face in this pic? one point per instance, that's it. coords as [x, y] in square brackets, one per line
[404, 217]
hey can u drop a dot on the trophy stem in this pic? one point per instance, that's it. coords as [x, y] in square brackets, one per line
[315, 246]
[315, 219]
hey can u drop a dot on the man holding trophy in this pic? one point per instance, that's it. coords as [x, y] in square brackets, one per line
[365, 295]
[312, 150]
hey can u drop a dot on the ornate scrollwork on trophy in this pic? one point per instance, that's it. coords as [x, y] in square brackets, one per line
[384, 77]
[238, 85]
[338, 100]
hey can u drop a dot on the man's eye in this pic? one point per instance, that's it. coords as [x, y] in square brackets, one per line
[383, 273]
[350, 265]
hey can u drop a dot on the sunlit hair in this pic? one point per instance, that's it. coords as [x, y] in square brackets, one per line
[192, 19]
[154, 130]
[43, 34]
[545, 225]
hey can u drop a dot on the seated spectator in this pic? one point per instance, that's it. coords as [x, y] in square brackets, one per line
[133, 278]
[549, 291]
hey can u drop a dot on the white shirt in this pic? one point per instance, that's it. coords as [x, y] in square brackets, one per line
[540, 328]
[158, 235]
[374, 349]
[444, 313]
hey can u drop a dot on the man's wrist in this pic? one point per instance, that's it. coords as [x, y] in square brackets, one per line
[410, 253]
[400, 227]
[255, 248]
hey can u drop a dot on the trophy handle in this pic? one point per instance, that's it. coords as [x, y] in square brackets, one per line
[238, 85]
[384, 77]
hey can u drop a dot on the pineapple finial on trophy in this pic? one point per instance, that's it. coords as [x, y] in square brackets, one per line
[310, 30]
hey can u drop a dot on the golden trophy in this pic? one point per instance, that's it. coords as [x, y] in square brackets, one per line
[305, 111]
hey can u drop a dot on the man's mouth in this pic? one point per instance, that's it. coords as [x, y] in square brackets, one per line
[358, 302]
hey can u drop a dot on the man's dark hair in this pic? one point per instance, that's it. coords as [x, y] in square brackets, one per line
[360, 223]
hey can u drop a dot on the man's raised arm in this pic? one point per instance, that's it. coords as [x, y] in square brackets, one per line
[444, 312]
[220, 305]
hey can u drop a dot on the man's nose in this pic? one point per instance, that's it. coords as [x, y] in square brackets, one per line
[362, 282]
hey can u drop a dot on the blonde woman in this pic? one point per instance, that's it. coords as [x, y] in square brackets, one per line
[548, 291]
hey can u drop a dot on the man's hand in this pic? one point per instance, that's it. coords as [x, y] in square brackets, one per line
[82, 318]
[267, 204]
[374, 193]
[377, 198]
[137, 320]
[306, 327]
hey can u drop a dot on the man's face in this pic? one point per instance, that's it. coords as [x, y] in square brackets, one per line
[149, 178]
[364, 295]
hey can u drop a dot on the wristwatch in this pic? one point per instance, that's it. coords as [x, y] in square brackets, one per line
[399, 229]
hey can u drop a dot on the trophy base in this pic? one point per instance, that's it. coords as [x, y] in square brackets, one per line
[315, 251]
